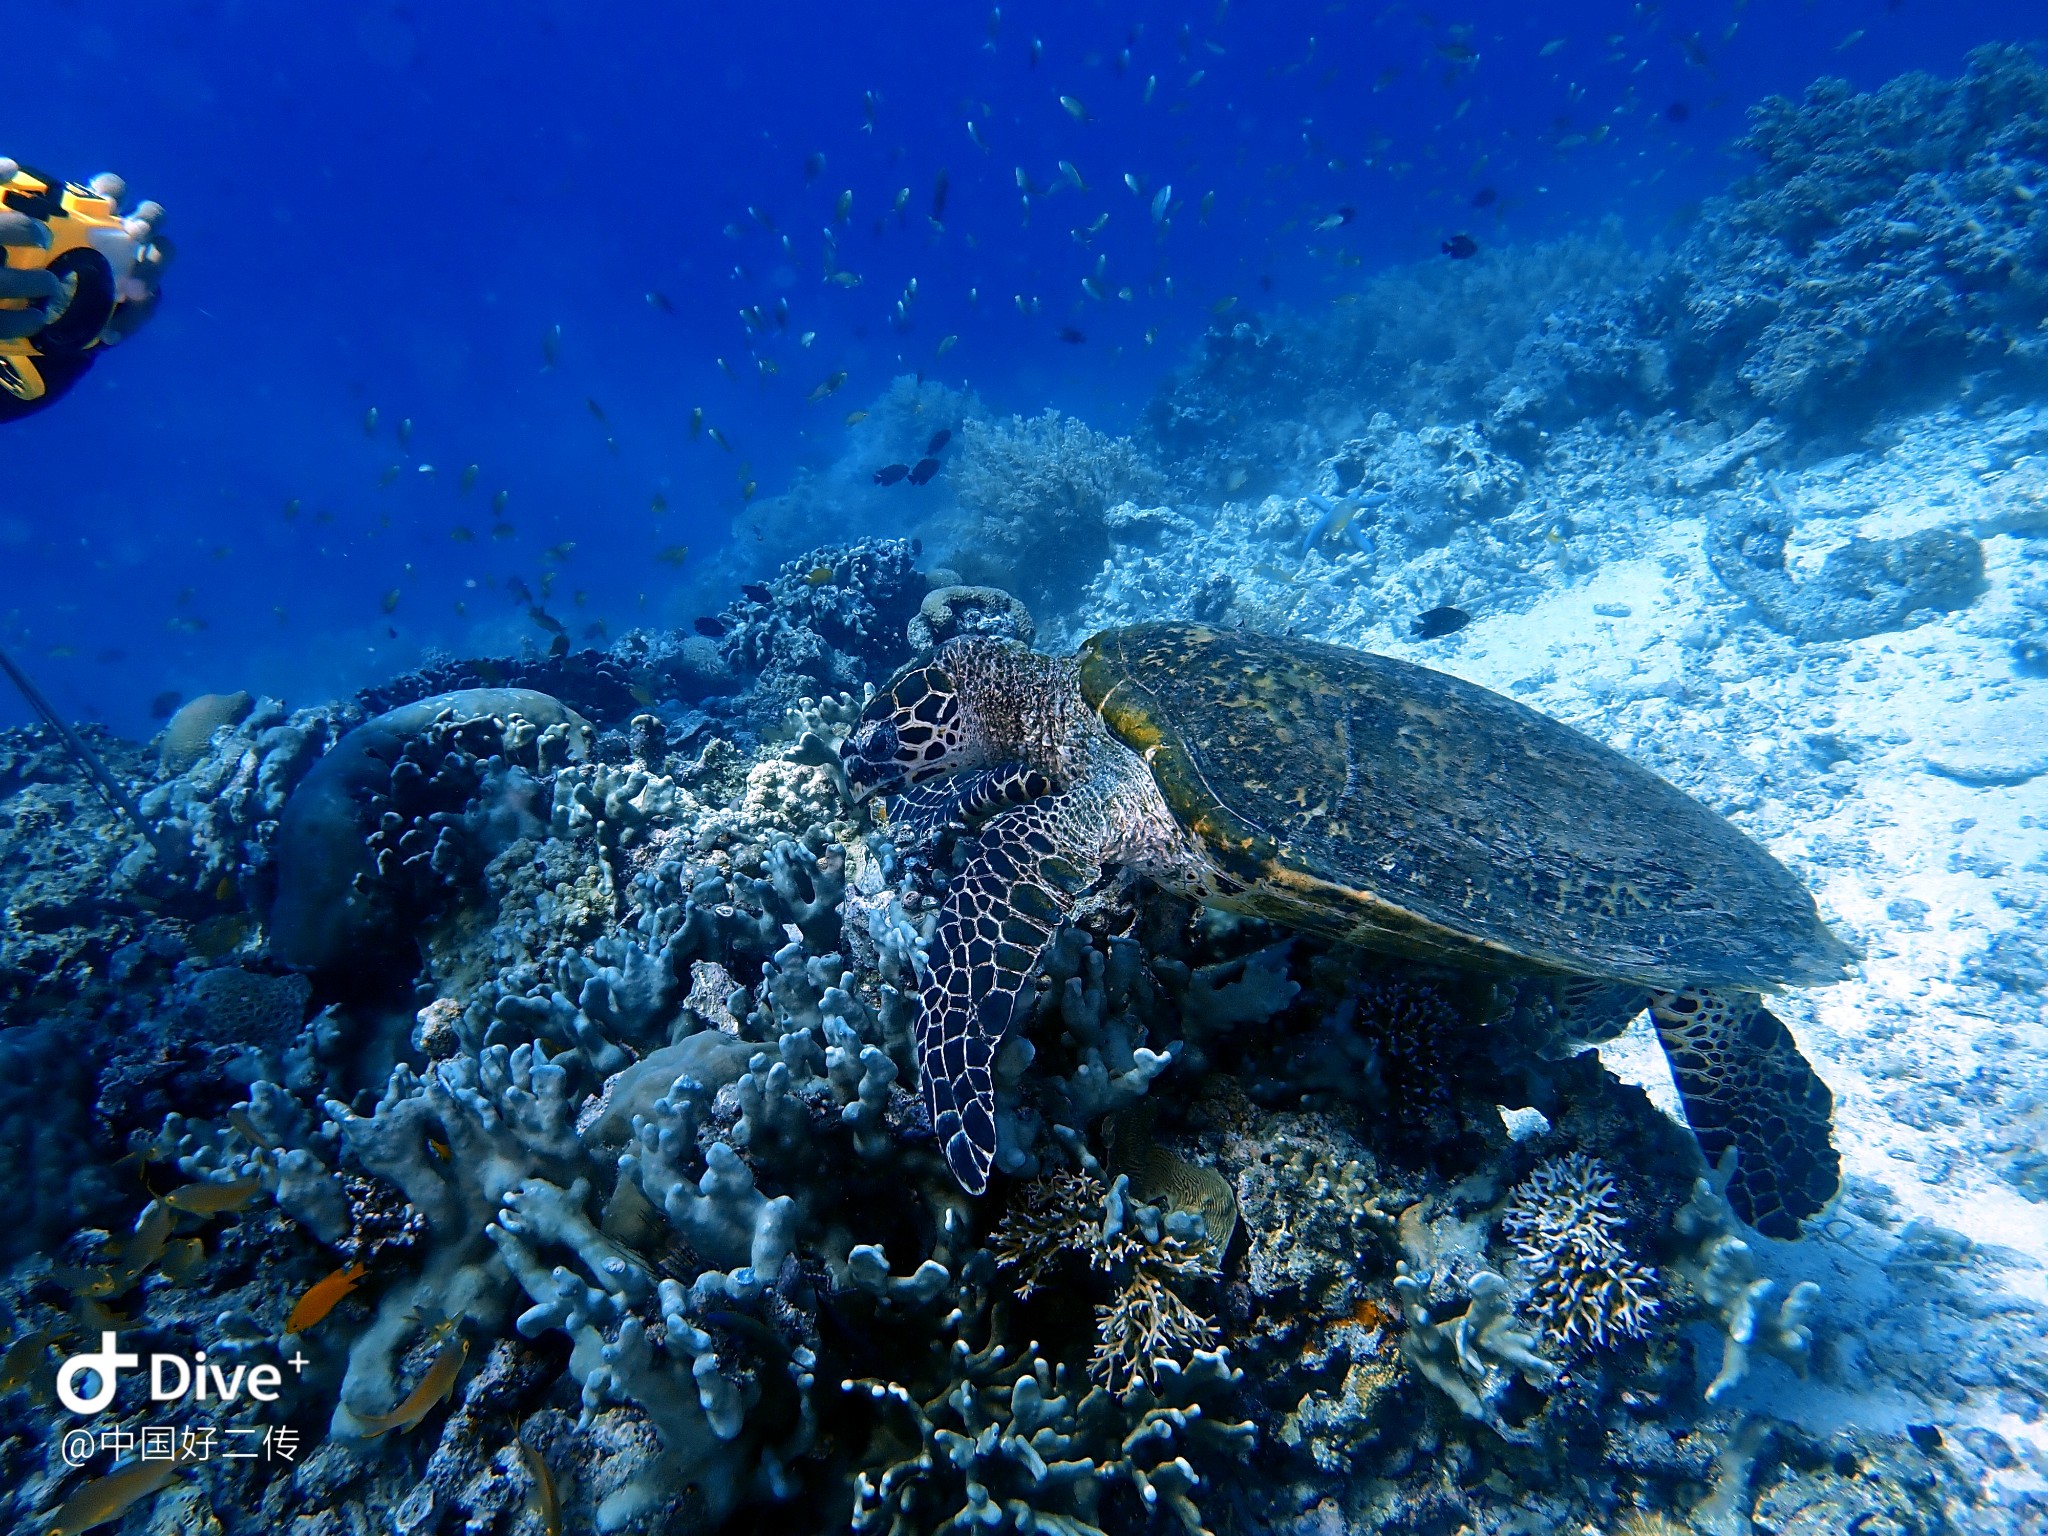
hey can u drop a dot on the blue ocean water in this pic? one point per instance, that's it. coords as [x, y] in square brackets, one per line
[394, 207]
[571, 959]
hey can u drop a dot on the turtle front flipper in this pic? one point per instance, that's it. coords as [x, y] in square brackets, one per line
[1745, 1085]
[1021, 879]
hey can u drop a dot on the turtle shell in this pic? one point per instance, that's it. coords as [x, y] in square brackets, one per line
[1388, 805]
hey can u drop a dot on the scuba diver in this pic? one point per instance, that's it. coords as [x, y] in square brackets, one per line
[76, 275]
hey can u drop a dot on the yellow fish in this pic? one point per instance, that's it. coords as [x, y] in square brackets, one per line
[105, 1498]
[214, 1199]
[855, 418]
[321, 1297]
[547, 1505]
[829, 386]
[675, 554]
[818, 575]
[436, 1384]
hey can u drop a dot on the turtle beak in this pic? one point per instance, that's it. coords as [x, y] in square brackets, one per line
[869, 758]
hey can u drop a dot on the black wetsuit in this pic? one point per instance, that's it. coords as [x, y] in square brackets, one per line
[59, 374]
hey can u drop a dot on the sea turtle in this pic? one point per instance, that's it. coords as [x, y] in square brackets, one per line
[1365, 799]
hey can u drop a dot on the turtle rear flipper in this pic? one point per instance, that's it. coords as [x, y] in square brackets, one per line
[1746, 1085]
[1022, 878]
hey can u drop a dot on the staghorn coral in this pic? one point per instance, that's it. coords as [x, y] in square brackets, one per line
[1145, 1262]
[1564, 1222]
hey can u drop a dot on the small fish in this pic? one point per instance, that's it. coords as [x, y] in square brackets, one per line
[696, 422]
[550, 347]
[1160, 202]
[390, 602]
[922, 471]
[106, 1498]
[747, 489]
[718, 437]
[1850, 41]
[24, 1358]
[561, 551]
[469, 479]
[710, 628]
[1037, 51]
[855, 418]
[818, 575]
[754, 592]
[814, 165]
[370, 422]
[1344, 215]
[1677, 112]
[946, 344]
[675, 554]
[941, 185]
[1485, 197]
[1438, 622]
[829, 385]
[209, 1199]
[939, 440]
[462, 535]
[1460, 247]
[843, 209]
[502, 530]
[656, 299]
[321, 1297]
[498, 503]
[390, 474]
[182, 1260]
[547, 1505]
[1457, 52]
[889, 474]
[291, 509]
[657, 504]
[974, 133]
[1550, 47]
[594, 408]
[1224, 305]
[844, 279]
[1068, 170]
[1070, 336]
[546, 621]
[405, 432]
[1074, 108]
[436, 1384]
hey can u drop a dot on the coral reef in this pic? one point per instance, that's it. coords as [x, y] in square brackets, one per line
[1564, 1221]
[1866, 587]
[1035, 491]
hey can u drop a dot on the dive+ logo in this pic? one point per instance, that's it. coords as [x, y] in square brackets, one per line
[172, 1378]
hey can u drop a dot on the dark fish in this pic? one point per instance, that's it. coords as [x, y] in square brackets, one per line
[814, 166]
[940, 186]
[922, 472]
[1070, 336]
[1678, 112]
[656, 299]
[754, 592]
[165, 704]
[889, 474]
[939, 440]
[560, 646]
[1485, 197]
[1460, 247]
[917, 546]
[546, 621]
[1437, 623]
[711, 628]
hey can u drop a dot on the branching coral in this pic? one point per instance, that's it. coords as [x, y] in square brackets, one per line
[1037, 489]
[1147, 1262]
[1564, 1221]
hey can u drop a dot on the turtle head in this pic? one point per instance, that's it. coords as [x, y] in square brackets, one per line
[912, 730]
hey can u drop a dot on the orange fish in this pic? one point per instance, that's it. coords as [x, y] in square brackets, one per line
[321, 1296]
